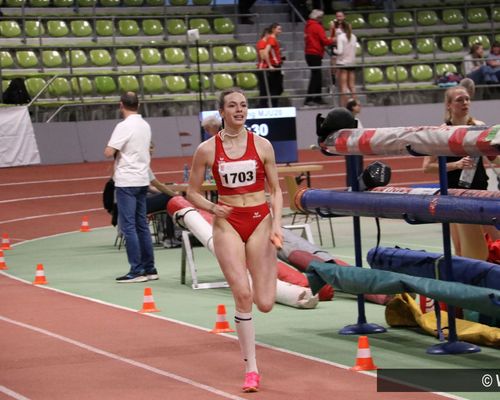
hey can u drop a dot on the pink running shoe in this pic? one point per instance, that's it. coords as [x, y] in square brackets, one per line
[251, 384]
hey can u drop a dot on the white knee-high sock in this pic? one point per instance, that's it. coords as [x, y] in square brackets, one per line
[246, 336]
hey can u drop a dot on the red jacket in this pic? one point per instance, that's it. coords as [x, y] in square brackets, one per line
[315, 38]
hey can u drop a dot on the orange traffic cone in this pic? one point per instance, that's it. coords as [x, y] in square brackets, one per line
[148, 303]
[85, 224]
[40, 276]
[221, 324]
[2, 261]
[6, 242]
[364, 361]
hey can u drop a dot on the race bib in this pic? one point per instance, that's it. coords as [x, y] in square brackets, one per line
[234, 174]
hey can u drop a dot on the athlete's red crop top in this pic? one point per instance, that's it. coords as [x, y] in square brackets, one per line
[238, 176]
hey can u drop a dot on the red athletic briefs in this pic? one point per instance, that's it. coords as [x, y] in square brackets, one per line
[246, 219]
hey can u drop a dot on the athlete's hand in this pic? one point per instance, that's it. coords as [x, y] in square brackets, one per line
[221, 210]
[277, 238]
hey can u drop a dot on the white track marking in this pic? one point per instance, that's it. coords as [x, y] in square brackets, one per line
[12, 394]
[53, 196]
[125, 360]
[49, 215]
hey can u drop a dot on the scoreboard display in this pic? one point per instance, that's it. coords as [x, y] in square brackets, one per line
[276, 125]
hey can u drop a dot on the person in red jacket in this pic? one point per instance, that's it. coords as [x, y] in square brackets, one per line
[315, 40]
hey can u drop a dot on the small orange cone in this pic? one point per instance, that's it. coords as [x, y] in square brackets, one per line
[3, 266]
[364, 361]
[148, 303]
[221, 324]
[85, 224]
[40, 276]
[6, 242]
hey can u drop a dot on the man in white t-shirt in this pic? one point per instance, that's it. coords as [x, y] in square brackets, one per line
[129, 145]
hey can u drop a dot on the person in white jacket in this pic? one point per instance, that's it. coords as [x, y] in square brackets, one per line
[346, 70]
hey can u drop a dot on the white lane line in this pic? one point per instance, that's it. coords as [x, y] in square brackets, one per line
[125, 360]
[12, 394]
[50, 215]
[53, 196]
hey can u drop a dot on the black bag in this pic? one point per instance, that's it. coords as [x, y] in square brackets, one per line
[16, 93]
[108, 196]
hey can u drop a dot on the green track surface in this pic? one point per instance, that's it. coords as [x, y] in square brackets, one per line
[87, 264]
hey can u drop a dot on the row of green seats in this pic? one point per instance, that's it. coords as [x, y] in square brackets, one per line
[123, 56]
[440, 3]
[475, 15]
[426, 45]
[100, 3]
[108, 27]
[401, 74]
[151, 84]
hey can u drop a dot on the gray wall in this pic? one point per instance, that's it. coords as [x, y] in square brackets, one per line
[73, 142]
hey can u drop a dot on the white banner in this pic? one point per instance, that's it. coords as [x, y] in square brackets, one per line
[17, 139]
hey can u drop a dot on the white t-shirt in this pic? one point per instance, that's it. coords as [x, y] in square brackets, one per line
[132, 138]
[346, 49]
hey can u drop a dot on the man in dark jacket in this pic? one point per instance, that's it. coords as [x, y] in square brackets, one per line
[315, 40]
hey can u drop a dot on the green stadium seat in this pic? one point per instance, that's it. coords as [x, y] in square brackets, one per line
[222, 54]
[223, 81]
[26, 59]
[109, 3]
[356, 20]
[421, 73]
[452, 16]
[154, 3]
[426, 45]
[52, 59]
[373, 75]
[82, 86]
[483, 39]
[396, 74]
[152, 27]
[327, 18]
[60, 87]
[150, 56]
[133, 3]
[496, 14]
[14, 3]
[427, 17]
[81, 28]
[152, 84]
[35, 86]
[125, 56]
[87, 3]
[76, 58]
[246, 80]
[497, 37]
[202, 2]
[223, 26]
[128, 83]
[33, 28]
[452, 44]
[176, 26]
[401, 46]
[128, 27]
[105, 85]
[175, 83]
[57, 28]
[194, 82]
[10, 29]
[202, 54]
[6, 60]
[246, 53]
[178, 2]
[63, 3]
[378, 20]
[5, 85]
[174, 55]
[442, 69]
[403, 19]
[104, 27]
[100, 57]
[377, 47]
[39, 3]
[201, 24]
[477, 15]
[359, 49]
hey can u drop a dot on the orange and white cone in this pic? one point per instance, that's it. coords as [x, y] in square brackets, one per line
[3, 266]
[221, 324]
[364, 361]
[40, 276]
[85, 224]
[148, 304]
[6, 242]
